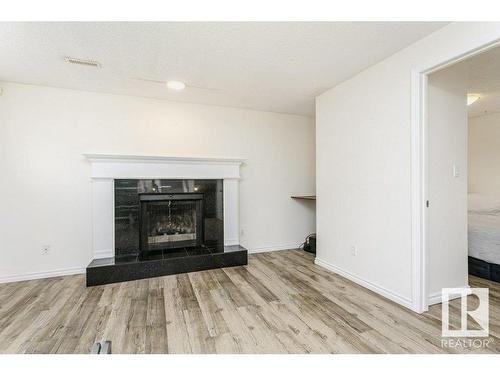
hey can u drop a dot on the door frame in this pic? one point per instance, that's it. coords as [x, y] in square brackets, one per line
[419, 169]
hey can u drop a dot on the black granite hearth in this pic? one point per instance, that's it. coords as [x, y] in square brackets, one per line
[162, 263]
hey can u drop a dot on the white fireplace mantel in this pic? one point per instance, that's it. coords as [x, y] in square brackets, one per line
[106, 168]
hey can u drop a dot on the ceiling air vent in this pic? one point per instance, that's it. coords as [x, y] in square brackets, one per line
[72, 60]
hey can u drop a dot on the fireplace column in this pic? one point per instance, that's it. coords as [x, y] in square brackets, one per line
[231, 212]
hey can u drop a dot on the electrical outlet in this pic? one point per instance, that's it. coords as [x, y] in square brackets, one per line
[354, 251]
[242, 232]
[45, 249]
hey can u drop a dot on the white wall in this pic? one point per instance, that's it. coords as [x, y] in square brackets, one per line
[484, 154]
[363, 150]
[46, 184]
[447, 181]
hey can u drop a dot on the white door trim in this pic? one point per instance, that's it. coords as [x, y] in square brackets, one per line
[419, 170]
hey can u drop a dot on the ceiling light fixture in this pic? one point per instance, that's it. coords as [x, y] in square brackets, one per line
[471, 98]
[176, 85]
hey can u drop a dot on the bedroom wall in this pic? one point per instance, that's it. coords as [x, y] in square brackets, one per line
[363, 150]
[484, 154]
[46, 185]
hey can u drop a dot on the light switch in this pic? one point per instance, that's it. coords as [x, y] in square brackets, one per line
[456, 171]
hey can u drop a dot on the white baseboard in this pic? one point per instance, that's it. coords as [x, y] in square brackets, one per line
[436, 298]
[272, 248]
[108, 253]
[42, 275]
[406, 302]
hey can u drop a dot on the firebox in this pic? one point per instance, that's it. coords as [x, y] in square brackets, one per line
[170, 221]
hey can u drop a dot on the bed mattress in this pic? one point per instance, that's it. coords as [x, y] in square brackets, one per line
[484, 237]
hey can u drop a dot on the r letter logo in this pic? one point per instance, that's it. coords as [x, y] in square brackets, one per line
[480, 314]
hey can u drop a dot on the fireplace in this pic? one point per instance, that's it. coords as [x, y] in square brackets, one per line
[170, 221]
[159, 225]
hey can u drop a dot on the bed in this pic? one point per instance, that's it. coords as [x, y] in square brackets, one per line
[484, 236]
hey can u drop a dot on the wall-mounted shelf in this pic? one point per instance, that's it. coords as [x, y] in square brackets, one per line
[306, 197]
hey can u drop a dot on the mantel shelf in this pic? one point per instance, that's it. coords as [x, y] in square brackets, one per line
[150, 167]
[160, 159]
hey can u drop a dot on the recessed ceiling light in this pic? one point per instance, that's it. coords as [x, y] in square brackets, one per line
[176, 85]
[73, 60]
[471, 98]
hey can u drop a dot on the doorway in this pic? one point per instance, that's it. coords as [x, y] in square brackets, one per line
[462, 183]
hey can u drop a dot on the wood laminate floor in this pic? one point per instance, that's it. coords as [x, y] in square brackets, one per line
[280, 303]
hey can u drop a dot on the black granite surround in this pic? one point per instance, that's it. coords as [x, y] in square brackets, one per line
[164, 227]
[128, 194]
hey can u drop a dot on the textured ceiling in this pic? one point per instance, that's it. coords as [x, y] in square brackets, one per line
[276, 67]
[484, 79]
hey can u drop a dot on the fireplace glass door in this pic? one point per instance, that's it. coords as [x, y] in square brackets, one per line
[169, 221]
